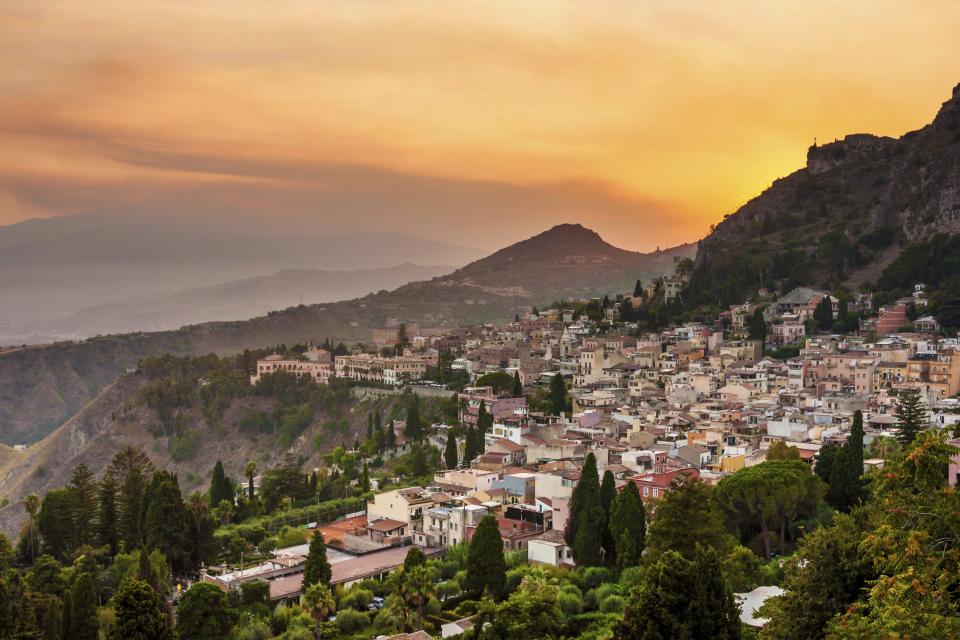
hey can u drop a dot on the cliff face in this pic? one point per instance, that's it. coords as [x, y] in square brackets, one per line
[858, 196]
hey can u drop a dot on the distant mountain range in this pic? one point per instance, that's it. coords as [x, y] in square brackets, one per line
[41, 388]
[51, 268]
[237, 300]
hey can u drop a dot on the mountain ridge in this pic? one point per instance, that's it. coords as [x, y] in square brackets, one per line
[41, 388]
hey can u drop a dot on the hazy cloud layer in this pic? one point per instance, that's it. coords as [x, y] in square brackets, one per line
[647, 121]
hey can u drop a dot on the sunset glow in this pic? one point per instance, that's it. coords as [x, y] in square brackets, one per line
[647, 121]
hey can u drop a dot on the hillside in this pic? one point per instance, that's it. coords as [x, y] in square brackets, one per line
[122, 415]
[41, 388]
[236, 300]
[840, 219]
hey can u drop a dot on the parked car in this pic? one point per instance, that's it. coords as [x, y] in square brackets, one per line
[376, 604]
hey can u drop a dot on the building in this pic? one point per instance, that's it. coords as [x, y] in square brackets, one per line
[319, 371]
[550, 548]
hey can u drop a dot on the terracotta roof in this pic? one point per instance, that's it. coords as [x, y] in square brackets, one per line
[385, 525]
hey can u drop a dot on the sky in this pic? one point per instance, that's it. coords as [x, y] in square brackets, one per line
[475, 123]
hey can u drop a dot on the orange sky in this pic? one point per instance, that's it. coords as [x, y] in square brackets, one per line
[644, 120]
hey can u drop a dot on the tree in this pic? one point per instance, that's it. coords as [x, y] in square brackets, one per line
[608, 492]
[823, 314]
[685, 516]
[220, 488]
[365, 478]
[770, 496]
[532, 611]
[680, 598]
[558, 395]
[486, 567]
[317, 569]
[414, 429]
[251, 470]
[414, 558]
[825, 458]
[911, 416]
[131, 503]
[758, 326]
[517, 390]
[450, 451]
[138, 613]
[84, 623]
[845, 481]
[824, 576]
[470, 445]
[83, 496]
[586, 492]
[588, 540]
[628, 526]
[203, 613]
[638, 290]
[107, 514]
[779, 450]
[318, 601]
[55, 523]
[415, 588]
[391, 437]
[166, 521]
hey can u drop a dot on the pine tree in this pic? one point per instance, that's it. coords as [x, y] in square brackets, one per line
[317, 569]
[517, 385]
[138, 613]
[56, 522]
[84, 622]
[83, 496]
[608, 492]
[107, 513]
[911, 416]
[628, 525]
[586, 492]
[450, 451]
[486, 567]
[558, 395]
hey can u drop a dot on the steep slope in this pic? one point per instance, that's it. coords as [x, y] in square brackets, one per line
[840, 218]
[236, 300]
[120, 417]
[41, 388]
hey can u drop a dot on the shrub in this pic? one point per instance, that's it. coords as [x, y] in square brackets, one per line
[570, 604]
[356, 599]
[595, 576]
[350, 621]
[612, 604]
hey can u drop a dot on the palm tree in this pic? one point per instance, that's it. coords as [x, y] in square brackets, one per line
[416, 587]
[32, 505]
[198, 503]
[318, 601]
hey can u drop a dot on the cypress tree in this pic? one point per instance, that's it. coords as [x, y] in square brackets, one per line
[586, 492]
[911, 416]
[608, 492]
[558, 395]
[823, 314]
[391, 437]
[758, 326]
[107, 514]
[486, 567]
[588, 541]
[845, 485]
[219, 488]
[469, 445]
[638, 290]
[365, 478]
[713, 612]
[450, 451]
[628, 525]
[517, 385]
[167, 523]
[84, 622]
[317, 569]
[414, 429]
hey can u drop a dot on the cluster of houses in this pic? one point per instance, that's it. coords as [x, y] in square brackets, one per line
[694, 400]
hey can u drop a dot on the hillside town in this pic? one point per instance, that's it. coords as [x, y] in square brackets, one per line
[655, 409]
